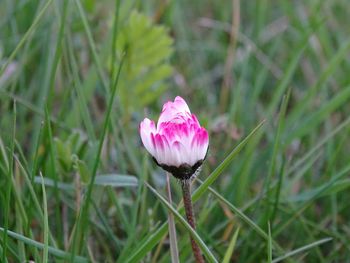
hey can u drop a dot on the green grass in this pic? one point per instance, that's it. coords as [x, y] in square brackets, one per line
[275, 185]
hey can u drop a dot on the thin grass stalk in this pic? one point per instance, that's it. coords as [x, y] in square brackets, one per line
[8, 184]
[174, 251]
[81, 222]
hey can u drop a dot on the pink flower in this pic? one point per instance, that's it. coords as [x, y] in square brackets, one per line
[177, 143]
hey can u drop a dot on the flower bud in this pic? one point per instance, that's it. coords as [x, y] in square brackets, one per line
[177, 143]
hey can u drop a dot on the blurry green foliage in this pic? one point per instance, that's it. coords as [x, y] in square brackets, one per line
[147, 48]
[71, 155]
[89, 5]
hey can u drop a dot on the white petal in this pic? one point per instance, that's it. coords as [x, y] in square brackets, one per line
[147, 127]
[174, 111]
[181, 154]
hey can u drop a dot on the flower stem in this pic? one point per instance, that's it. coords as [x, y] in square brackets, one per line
[186, 192]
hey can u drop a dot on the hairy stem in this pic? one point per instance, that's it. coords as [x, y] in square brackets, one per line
[186, 192]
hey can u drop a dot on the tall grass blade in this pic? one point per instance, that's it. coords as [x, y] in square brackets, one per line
[210, 257]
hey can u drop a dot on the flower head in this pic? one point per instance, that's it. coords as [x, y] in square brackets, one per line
[177, 142]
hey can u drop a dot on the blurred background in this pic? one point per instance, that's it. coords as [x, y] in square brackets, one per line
[236, 63]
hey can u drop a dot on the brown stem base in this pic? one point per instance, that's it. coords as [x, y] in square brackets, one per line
[186, 191]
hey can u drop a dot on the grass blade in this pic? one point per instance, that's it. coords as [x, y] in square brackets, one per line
[46, 222]
[241, 215]
[306, 126]
[91, 44]
[328, 71]
[26, 36]
[81, 226]
[269, 245]
[53, 169]
[9, 186]
[231, 247]
[321, 143]
[301, 249]
[171, 223]
[210, 257]
[53, 251]
[215, 174]
[275, 151]
[116, 180]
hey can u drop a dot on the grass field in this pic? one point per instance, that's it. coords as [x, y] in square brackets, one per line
[268, 79]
